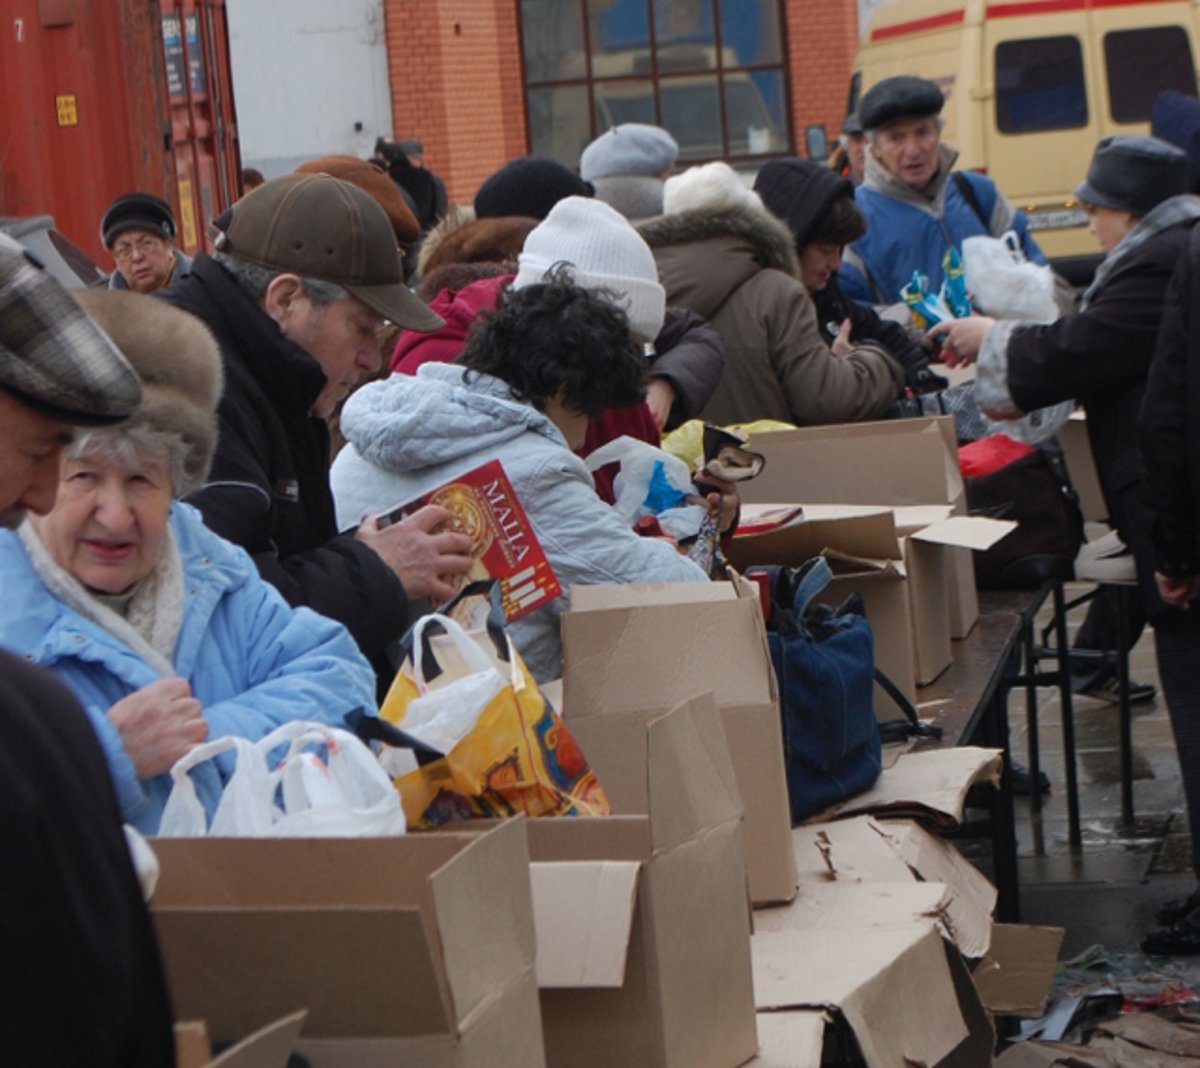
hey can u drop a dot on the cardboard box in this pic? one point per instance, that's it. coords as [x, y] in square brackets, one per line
[638, 649]
[269, 1047]
[863, 551]
[416, 950]
[1014, 977]
[895, 462]
[642, 919]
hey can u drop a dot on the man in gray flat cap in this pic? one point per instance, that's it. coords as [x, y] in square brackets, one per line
[80, 970]
[916, 205]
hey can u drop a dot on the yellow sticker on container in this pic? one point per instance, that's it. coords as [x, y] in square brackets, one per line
[66, 109]
[187, 212]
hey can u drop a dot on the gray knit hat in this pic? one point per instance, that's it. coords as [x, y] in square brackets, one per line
[52, 356]
[632, 148]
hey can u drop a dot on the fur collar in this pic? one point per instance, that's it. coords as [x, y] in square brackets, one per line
[771, 238]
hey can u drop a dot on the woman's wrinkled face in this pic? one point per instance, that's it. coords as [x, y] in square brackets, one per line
[1109, 225]
[109, 523]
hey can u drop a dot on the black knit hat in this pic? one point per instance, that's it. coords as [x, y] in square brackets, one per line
[136, 211]
[902, 97]
[800, 192]
[528, 186]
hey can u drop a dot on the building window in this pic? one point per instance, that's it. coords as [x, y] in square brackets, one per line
[709, 71]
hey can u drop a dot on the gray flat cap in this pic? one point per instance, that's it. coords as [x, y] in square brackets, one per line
[52, 356]
[1134, 174]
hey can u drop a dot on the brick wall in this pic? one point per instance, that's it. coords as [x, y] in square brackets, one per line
[822, 37]
[455, 69]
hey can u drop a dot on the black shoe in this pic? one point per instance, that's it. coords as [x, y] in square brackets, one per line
[1181, 939]
[1107, 688]
[1022, 782]
[1177, 909]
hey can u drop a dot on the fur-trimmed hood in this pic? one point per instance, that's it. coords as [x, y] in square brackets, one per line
[179, 364]
[739, 242]
[494, 240]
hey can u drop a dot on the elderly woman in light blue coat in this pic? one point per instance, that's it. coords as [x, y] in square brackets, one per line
[521, 393]
[164, 631]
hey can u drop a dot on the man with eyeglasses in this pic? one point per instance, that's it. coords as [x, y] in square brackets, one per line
[139, 230]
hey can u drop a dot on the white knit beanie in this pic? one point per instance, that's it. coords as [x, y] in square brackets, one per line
[602, 250]
[711, 187]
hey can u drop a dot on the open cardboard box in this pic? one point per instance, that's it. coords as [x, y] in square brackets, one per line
[895, 462]
[416, 949]
[269, 1047]
[647, 648]
[863, 551]
[642, 921]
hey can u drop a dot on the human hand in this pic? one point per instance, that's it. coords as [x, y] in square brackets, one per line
[660, 398]
[1175, 590]
[961, 338]
[158, 724]
[720, 497]
[842, 345]
[419, 551]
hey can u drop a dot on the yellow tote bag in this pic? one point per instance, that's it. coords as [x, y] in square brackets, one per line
[506, 750]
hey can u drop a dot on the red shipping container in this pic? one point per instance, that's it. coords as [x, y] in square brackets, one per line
[103, 97]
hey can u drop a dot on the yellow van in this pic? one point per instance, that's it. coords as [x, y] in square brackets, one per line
[1032, 85]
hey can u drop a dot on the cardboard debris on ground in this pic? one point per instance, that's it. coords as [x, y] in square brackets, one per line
[646, 648]
[884, 984]
[927, 785]
[1123, 1054]
[1051, 1055]
[1014, 978]
[868, 851]
[857, 906]
[1151, 1031]
[790, 1039]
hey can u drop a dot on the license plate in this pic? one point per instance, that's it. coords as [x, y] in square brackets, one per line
[1056, 218]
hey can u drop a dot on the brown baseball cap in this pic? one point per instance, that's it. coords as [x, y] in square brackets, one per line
[321, 227]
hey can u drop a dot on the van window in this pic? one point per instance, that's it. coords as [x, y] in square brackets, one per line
[1039, 85]
[1141, 64]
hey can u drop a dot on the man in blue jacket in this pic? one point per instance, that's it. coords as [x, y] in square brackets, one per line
[916, 206]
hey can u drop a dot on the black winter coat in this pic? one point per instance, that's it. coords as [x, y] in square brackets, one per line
[1169, 425]
[269, 487]
[80, 973]
[1101, 356]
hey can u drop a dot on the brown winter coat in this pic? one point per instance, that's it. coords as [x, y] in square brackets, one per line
[738, 269]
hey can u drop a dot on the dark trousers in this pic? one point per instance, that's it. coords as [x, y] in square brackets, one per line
[1099, 631]
[1177, 642]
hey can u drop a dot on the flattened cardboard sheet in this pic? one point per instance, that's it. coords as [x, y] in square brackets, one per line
[1014, 978]
[790, 1039]
[929, 785]
[583, 913]
[883, 982]
[855, 906]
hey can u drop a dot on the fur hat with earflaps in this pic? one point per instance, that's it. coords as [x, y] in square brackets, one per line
[179, 364]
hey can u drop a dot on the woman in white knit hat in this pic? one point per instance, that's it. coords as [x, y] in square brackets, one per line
[165, 632]
[523, 390]
[721, 254]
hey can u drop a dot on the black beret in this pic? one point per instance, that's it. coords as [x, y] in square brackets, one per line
[904, 96]
[136, 211]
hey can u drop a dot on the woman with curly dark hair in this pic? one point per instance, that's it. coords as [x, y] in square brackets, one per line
[551, 356]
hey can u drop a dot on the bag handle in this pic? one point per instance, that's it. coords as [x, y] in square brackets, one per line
[477, 660]
[373, 729]
[910, 726]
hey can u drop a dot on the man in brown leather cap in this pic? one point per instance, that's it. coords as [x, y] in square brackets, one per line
[306, 269]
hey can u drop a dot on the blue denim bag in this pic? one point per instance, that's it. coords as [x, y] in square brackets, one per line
[825, 661]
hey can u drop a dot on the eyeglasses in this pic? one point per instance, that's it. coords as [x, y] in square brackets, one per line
[145, 245]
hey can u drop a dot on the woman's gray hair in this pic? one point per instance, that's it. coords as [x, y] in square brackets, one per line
[253, 280]
[132, 444]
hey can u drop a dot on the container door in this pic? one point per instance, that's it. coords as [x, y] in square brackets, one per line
[203, 128]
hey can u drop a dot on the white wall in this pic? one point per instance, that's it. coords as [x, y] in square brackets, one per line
[304, 73]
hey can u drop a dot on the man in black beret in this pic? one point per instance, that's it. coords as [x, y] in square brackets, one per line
[916, 206]
[139, 230]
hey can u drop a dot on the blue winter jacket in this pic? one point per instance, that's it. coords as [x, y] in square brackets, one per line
[252, 661]
[909, 231]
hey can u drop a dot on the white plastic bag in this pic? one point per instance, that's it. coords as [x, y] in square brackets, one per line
[639, 462]
[344, 793]
[442, 717]
[1004, 284]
